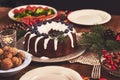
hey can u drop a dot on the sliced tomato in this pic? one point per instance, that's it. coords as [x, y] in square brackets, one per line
[40, 7]
[15, 11]
[29, 8]
[46, 8]
[21, 10]
[34, 8]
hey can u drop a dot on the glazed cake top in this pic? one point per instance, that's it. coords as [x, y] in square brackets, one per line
[50, 30]
[43, 29]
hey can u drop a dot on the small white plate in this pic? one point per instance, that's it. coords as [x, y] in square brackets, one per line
[11, 14]
[15, 70]
[51, 73]
[89, 17]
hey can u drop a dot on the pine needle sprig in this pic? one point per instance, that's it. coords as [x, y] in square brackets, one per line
[96, 41]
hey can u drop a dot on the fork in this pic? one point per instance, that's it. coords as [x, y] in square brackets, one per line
[96, 72]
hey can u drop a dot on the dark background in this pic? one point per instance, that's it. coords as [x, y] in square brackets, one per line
[111, 6]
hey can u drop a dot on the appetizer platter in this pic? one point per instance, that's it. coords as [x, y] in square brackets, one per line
[37, 12]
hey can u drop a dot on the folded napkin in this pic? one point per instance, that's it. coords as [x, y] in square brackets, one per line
[89, 58]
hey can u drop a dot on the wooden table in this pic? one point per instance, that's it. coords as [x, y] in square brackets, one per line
[82, 69]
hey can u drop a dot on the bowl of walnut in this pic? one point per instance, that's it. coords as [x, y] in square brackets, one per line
[12, 60]
[110, 61]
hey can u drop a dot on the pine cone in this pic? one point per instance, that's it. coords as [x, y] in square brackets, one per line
[109, 34]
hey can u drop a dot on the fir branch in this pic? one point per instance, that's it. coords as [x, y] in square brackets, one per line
[112, 45]
[96, 41]
[98, 29]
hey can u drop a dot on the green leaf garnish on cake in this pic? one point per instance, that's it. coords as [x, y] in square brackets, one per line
[57, 34]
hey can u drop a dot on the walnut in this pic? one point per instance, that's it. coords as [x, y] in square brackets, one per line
[1, 51]
[6, 64]
[6, 48]
[14, 50]
[21, 55]
[8, 55]
[16, 61]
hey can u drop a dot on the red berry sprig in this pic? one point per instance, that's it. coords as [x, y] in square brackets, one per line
[118, 37]
[112, 60]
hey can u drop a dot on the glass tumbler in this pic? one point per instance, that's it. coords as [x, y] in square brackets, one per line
[8, 37]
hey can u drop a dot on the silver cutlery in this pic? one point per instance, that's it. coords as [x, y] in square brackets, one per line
[96, 72]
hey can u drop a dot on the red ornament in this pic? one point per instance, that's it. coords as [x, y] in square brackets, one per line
[104, 53]
[103, 79]
[118, 37]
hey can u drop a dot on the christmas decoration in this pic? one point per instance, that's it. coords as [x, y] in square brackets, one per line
[100, 38]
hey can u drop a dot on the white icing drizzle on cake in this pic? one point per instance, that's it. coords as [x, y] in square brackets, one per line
[26, 34]
[45, 28]
[71, 38]
[55, 43]
[31, 36]
[36, 42]
[46, 42]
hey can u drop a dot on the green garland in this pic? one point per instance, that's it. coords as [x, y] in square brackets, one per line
[96, 41]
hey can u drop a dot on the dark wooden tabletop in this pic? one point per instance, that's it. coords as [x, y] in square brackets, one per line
[82, 69]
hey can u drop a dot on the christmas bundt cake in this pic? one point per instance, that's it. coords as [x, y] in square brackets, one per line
[51, 39]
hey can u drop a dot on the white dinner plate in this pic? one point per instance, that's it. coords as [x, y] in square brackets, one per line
[11, 14]
[51, 73]
[89, 17]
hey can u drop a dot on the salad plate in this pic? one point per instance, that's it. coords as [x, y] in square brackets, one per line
[42, 12]
[51, 73]
[89, 17]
